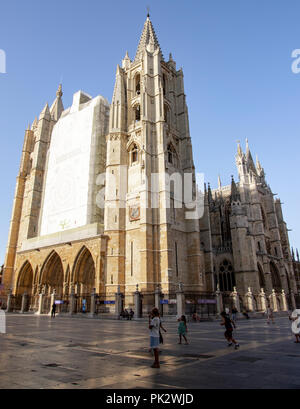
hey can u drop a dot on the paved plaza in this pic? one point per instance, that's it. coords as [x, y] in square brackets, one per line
[40, 352]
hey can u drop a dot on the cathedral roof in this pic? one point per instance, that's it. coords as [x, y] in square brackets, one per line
[148, 37]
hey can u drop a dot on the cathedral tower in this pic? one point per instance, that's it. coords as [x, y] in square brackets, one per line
[151, 240]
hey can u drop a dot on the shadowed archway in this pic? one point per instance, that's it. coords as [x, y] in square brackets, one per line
[276, 282]
[52, 275]
[25, 279]
[84, 271]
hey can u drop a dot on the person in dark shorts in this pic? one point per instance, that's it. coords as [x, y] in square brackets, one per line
[53, 310]
[229, 324]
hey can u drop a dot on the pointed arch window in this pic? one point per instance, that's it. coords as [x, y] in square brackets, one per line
[172, 156]
[226, 277]
[261, 277]
[137, 113]
[134, 154]
[137, 84]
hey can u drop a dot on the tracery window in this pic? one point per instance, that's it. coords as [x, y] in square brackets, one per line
[226, 277]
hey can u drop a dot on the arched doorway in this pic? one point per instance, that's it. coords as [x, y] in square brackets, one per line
[84, 279]
[52, 278]
[25, 279]
[24, 286]
[275, 277]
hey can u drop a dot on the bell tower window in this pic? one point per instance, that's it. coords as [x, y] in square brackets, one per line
[137, 113]
[137, 84]
[134, 154]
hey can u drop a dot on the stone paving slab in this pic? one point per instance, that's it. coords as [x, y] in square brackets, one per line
[40, 352]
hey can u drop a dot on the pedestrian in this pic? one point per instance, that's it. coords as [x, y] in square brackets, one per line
[161, 340]
[131, 314]
[154, 325]
[234, 312]
[182, 329]
[53, 310]
[270, 315]
[229, 324]
[297, 336]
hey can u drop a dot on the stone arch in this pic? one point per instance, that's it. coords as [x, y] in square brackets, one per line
[261, 276]
[52, 273]
[134, 153]
[25, 279]
[275, 277]
[36, 275]
[67, 274]
[84, 271]
[172, 154]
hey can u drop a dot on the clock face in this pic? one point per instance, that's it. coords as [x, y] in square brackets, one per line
[134, 213]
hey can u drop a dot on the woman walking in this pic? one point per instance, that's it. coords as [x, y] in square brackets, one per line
[154, 325]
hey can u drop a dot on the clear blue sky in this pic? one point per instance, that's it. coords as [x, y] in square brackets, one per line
[236, 57]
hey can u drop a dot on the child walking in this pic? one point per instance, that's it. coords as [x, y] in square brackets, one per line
[182, 329]
[229, 329]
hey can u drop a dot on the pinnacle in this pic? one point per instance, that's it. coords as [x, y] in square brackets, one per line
[59, 92]
[148, 36]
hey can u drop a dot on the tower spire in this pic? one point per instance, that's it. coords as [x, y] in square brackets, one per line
[57, 107]
[148, 37]
[249, 158]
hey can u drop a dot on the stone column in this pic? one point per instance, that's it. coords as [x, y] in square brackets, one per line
[158, 297]
[283, 299]
[236, 299]
[93, 303]
[52, 301]
[9, 301]
[180, 301]
[118, 303]
[138, 303]
[41, 303]
[72, 301]
[24, 303]
[263, 300]
[219, 301]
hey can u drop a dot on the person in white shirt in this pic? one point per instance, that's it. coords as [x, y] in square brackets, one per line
[154, 325]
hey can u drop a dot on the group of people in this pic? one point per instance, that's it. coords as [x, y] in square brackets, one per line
[128, 315]
[156, 338]
[155, 327]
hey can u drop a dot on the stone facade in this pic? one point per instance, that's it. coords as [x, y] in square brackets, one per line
[133, 237]
[249, 240]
